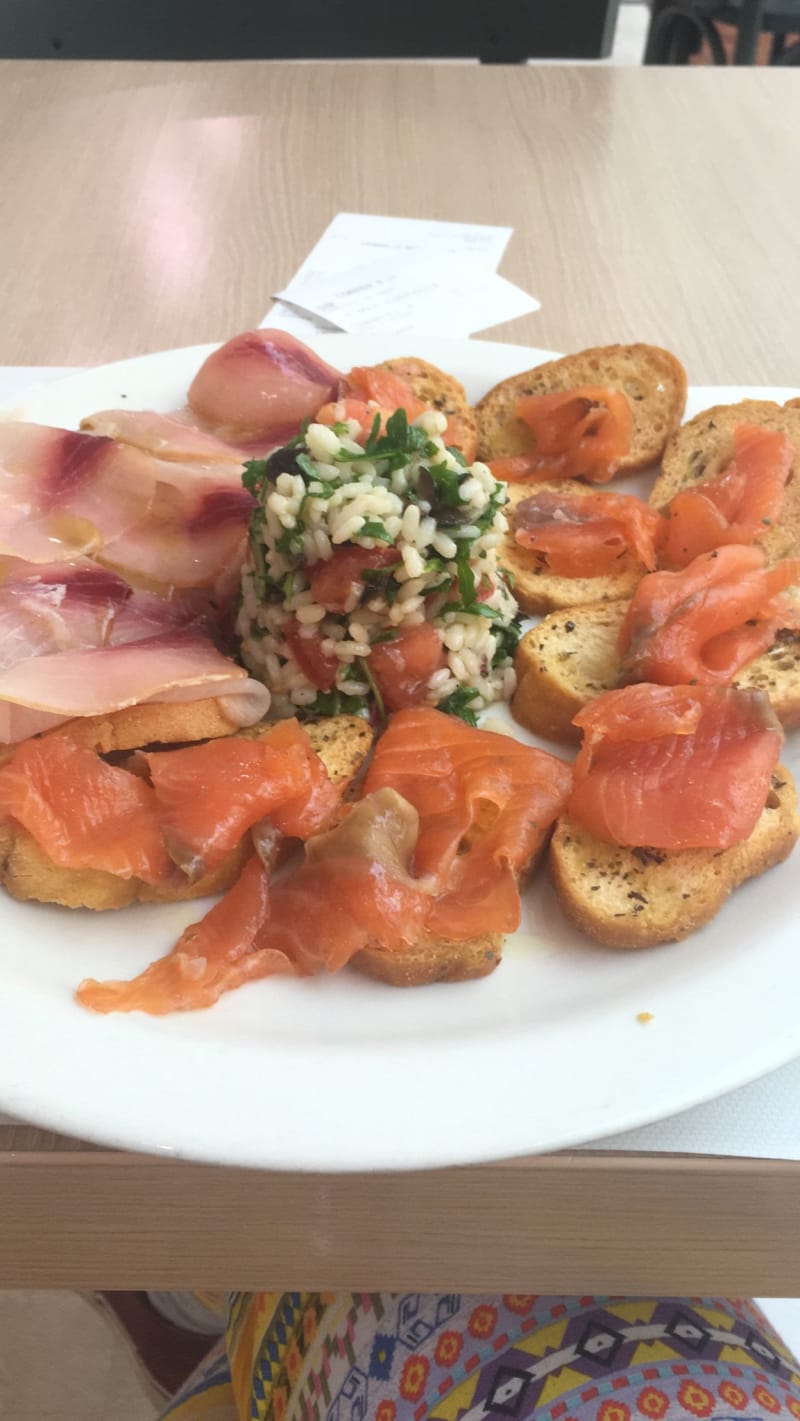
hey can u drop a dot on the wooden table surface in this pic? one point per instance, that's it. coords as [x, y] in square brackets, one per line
[147, 206]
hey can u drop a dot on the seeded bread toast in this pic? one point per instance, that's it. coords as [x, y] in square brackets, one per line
[537, 589]
[432, 960]
[565, 661]
[653, 380]
[438, 959]
[157, 723]
[632, 898]
[27, 873]
[443, 392]
[572, 656]
[167, 723]
[704, 446]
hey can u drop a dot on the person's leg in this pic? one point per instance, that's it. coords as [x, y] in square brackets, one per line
[451, 1357]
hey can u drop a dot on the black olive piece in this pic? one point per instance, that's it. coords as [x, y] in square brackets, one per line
[283, 461]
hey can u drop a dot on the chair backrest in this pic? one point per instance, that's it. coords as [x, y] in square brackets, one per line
[498, 31]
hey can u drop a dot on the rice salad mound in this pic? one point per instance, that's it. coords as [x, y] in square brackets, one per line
[353, 546]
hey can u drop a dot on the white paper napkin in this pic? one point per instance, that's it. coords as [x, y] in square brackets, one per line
[403, 276]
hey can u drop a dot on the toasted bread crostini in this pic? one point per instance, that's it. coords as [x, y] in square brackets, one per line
[703, 447]
[27, 873]
[631, 898]
[653, 380]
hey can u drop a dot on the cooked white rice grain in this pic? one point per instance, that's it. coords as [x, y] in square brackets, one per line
[432, 421]
[310, 614]
[444, 545]
[322, 443]
[412, 562]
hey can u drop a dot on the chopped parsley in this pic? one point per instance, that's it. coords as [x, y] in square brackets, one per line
[396, 447]
[290, 543]
[459, 703]
[466, 581]
[378, 698]
[372, 529]
[333, 703]
[507, 639]
[307, 466]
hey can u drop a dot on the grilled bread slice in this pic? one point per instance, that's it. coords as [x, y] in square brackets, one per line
[432, 960]
[703, 447]
[653, 380]
[157, 723]
[631, 898]
[565, 661]
[441, 391]
[27, 873]
[572, 656]
[438, 959]
[537, 589]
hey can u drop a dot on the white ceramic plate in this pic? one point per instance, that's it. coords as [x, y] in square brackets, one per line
[344, 1073]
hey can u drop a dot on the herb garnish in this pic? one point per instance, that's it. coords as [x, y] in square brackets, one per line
[459, 703]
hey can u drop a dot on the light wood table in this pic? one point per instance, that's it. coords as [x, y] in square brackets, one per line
[152, 206]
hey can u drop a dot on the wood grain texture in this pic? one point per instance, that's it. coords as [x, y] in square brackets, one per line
[156, 205]
[151, 205]
[561, 1224]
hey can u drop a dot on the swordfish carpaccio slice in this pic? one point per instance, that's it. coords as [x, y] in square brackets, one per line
[173, 523]
[77, 640]
[260, 386]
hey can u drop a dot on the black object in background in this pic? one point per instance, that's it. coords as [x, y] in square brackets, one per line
[679, 27]
[494, 31]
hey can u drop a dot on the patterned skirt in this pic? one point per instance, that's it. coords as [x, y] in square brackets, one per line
[451, 1357]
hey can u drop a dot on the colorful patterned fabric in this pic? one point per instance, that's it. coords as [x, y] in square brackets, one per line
[461, 1357]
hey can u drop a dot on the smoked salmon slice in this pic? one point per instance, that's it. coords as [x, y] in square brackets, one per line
[211, 957]
[371, 391]
[739, 505]
[390, 391]
[709, 620]
[674, 767]
[83, 812]
[585, 535]
[352, 888]
[209, 795]
[580, 433]
[485, 805]
[449, 817]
